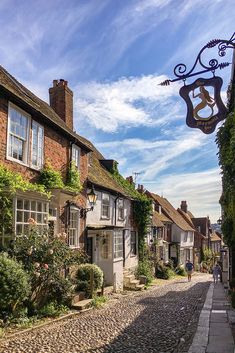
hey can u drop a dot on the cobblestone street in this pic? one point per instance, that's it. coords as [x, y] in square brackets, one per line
[162, 319]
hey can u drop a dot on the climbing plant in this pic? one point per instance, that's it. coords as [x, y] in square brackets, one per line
[52, 179]
[226, 143]
[73, 179]
[10, 183]
[142, 209]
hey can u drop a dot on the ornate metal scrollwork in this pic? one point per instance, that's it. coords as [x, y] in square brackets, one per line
[181, 72]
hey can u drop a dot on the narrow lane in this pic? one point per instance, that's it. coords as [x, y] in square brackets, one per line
[162, 319]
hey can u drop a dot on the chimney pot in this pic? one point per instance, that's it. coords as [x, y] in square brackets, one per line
[184, 206]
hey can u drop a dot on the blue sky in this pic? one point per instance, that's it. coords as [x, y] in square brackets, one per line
[114, 53]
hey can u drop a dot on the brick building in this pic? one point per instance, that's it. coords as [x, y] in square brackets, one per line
[33, 132]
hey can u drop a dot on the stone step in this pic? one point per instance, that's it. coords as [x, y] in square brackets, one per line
[140, 287]
[83, 304]
[78, 297]
[129, 278]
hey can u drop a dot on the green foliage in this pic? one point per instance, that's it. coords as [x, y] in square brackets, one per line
[145, 268]
[51, 178]
[180, 271]
[14, 284]
[164, 272]
[47, 258]
[73, 180]
[52, 309]
[10, 183]
[84, 278]
[98, 302]
[142, 210]
[226, 143]
[233, 299]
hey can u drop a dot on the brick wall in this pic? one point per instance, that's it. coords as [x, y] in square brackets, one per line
[57, 149]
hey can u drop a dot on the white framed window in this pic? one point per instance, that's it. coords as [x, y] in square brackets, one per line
[105, 245]
[118, 244]
[27, 210]
[105, 206]
[73, 236]
[133, 243]
[76, 153]
[18, 134]
[37, 145]
[120, 209]
[185, 237]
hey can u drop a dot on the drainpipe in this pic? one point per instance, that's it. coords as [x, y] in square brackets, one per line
[115, 209]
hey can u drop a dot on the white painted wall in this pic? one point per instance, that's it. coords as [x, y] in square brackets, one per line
[184, 238]
[131, 261]
[94, 217]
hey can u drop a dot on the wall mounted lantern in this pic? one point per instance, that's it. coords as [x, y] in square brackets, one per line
[92, 197]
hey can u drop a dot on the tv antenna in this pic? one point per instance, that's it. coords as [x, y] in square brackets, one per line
[136, 174]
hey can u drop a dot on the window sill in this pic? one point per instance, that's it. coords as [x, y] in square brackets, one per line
[105, 218]
[118, 259]
[23, 163]
[17, 161]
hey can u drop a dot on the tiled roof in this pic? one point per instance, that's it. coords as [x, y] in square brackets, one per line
[100, 176]
[215, 237]
[186, 217]
[156, 221]
[15, 88]
[172, 213]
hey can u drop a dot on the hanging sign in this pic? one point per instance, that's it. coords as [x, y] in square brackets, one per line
[205, 108]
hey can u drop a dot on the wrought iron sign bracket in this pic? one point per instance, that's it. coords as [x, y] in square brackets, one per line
[181, 72]
[205, 108]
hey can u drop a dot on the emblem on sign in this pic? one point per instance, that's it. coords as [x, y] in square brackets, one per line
[205, 108]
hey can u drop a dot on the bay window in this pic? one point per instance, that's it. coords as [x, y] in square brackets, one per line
[118, 244]
[30, 212]
[73, 228]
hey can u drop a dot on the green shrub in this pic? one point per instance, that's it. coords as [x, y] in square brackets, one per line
[83, 277]
[180, 271]
[14, 284]
[98, 302]
[52, 309]
[46, 258]
[164, 272]
[145, 269]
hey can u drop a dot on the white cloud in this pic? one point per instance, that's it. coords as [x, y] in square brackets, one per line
[201, 190]
[127, 102]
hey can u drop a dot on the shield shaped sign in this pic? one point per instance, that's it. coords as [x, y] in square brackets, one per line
[205, 108]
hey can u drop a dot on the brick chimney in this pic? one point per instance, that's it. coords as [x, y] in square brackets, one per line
[140, 188]
[184, 206]
[130, 179]
[61, 100]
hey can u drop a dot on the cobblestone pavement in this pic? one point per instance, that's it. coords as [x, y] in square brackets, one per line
[162, 319]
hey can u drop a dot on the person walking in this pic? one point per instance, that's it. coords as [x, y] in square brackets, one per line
[189, 268]
[216, 272]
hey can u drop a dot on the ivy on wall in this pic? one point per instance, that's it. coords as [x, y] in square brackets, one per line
[226, 142]
[142, 209]
[10, 183]
[52, 179]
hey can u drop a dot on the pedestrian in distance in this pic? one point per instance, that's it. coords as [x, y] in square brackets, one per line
[216, 271]
[189, 269]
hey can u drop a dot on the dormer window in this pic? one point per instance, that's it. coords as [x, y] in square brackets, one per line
[76, 152]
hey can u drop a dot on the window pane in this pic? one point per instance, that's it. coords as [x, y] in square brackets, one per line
[37, 145]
